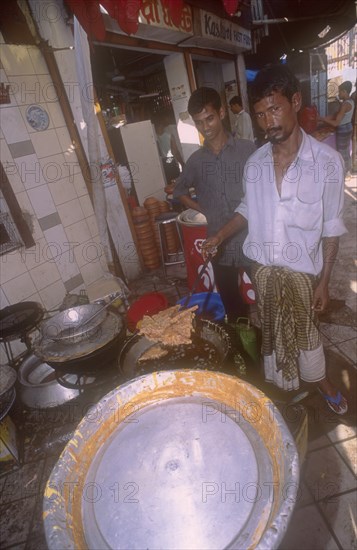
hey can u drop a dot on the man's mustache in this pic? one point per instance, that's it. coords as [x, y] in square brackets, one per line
[275, 129]
[271, 131]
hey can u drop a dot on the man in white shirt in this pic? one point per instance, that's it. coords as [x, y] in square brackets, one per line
[293, 204]
[243, 128]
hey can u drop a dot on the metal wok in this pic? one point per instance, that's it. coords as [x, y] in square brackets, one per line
[209, 350]
[74, 324]
[87, 352]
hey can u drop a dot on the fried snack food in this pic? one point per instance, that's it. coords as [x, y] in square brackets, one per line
[170, 327]
[154, 352]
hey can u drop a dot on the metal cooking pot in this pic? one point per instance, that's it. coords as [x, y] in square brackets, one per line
[74, 324]
[193, 356]
[39, 388]
[184, 459]
[88, 354]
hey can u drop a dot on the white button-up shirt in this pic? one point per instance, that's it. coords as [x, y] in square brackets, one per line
[243, 127]
[287, 230]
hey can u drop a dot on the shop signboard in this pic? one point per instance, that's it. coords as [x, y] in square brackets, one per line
[224, 31]
[157, 14]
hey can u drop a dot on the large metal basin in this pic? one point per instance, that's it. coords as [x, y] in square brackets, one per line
[175, 460]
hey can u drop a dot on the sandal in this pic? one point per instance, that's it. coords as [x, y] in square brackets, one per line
[337, 404]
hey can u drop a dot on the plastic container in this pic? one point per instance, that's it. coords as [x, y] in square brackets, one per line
[193, 226]
[147, 304]
[248, 337]
[210, 305]
[246, 287]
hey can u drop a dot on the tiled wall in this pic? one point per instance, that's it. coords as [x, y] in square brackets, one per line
[45, 176]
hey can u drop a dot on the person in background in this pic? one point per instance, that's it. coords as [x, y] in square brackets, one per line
[293, 208]
[215, 171]
[342, 121]
[243, 128]
[169, 149]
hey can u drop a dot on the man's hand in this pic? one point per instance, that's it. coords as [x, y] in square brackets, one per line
[320, 298]
[210, 247]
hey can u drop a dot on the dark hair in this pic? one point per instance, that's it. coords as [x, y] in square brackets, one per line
[236, 100]
[202, 97]
[274, 78]
[346, 86]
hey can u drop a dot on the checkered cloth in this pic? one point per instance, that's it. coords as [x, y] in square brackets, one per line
[288, 323]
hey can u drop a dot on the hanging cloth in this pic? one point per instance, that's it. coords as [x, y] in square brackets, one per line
[85, 81]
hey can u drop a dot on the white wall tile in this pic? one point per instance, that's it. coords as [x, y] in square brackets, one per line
[19, 288]
[93, 226]
[103, 262]
[67, 265]
[6, 156]
[35, 298]
[49, 92]
[45, 274]
[89, 252]
[80, 185]
[65, 140]
[41, 201]
[38, 61]
[57, 167]
[62, 191]
[53, 295]
[86, 205]
[70, 212]
[16, 60]
[26, 90]
[27, 209]
[70, 152]
[35, 255]
[56, 115]
[81, 253]
[15, 180]
[30, 171]
[11, 265]
[46, 143]
[91, 273]
[57, 242]
[78, 232]
[13, 126]
[10, 167]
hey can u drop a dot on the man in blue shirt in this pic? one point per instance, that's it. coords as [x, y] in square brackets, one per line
[215, 171]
